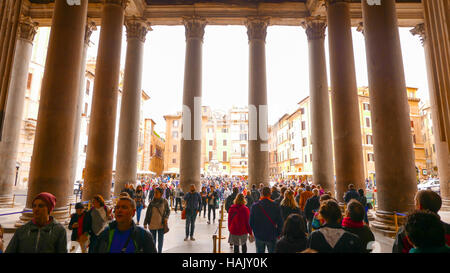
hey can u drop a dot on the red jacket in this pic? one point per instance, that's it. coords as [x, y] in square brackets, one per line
[238, 220]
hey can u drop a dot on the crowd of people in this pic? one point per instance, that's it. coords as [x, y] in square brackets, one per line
[290, 216]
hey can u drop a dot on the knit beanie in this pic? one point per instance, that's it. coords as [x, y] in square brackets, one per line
[48, 198]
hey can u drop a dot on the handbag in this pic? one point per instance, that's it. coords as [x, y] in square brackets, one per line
[183, 214]
[165, 225]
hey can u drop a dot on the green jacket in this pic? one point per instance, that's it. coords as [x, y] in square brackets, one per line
[29, 238]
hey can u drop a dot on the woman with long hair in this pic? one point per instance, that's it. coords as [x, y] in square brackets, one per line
[97, 218]
[238, 224]
[140, 202]
[288, 205]
[293, 238]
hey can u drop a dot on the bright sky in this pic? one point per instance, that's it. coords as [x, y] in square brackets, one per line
[225, 67]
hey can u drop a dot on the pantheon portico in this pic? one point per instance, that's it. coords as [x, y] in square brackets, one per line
[72, 22]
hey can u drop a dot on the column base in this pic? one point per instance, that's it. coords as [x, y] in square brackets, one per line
[59, 214]
[445, 205]
[6, 201]
[384, 222]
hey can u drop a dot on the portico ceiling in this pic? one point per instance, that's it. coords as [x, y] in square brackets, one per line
[226, 12]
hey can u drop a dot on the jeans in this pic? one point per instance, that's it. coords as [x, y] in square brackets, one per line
[261, 246]
[178, 201]
[190, 222]
[138, 212]
[213, 208]
[160, 238]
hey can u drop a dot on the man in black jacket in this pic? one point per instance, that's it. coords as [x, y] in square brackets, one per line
[312, 205]
[351, 194]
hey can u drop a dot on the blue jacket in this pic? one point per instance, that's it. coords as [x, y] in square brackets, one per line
[193, 201]
[351, 194]
[262, 227]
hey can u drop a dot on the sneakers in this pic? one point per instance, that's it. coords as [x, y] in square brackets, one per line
[192, 238]
[209, 222]
[186, 238]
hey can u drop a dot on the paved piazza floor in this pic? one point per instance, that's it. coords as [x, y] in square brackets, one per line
[174, 240]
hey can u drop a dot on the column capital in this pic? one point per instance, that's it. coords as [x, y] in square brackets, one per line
[195, 27]
[315, 27]
[122, 3]
[257, 28]
[360, 28]
[419, 29]
[137, 28]
[27, 28]
[332, 2]
[90, 27]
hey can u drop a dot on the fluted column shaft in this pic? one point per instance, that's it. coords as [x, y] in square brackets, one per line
[100, 150]
[437, 25]
[258, 151]
[14, 109]
[348, 154]
[442, 153]
[52, 150]
[322, 151]
[128, 141]
[190, 144]
[394, 156]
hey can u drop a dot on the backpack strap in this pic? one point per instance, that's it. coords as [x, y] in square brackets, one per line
[110, 238]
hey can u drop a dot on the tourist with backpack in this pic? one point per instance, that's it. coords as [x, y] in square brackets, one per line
[123, 235]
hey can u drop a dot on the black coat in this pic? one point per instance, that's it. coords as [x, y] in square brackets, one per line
[365, 234]
[351, 194]
[346, 243]
[290, 245]
[312, 204]
[286, 211]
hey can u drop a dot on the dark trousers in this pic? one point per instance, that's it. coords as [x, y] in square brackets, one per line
[213, 208]
[93, 244]
[244, 248]
[178, 201]
[203, 207]
[190, 222]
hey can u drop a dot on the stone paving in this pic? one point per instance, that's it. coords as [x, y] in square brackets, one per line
[174, 239]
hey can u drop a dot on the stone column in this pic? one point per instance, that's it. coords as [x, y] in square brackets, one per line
[394, 156]
[102, 126]
[348, 153]
[52, 150]
[190, 144]
[322, 151]
[258, 148]
[14, 109]
[128, 141]
[90, 27]
[442, 154]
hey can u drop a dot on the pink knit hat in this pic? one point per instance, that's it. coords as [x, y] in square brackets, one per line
[48, 198]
